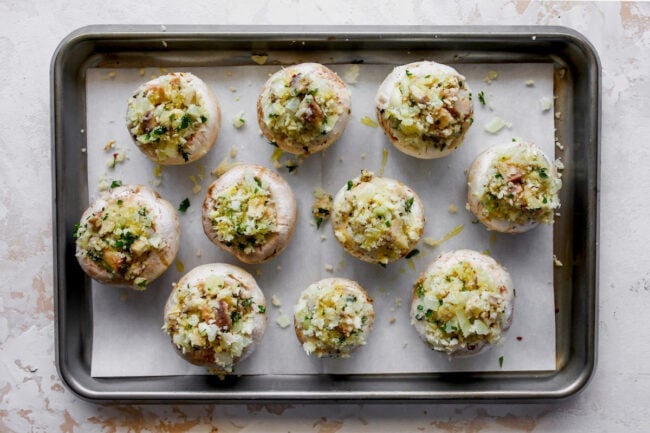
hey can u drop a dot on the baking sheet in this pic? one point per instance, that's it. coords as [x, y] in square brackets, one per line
[127, 340]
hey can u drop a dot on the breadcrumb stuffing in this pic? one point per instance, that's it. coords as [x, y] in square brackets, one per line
[108, 146]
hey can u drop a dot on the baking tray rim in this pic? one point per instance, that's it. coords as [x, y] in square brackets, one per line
[572, 378]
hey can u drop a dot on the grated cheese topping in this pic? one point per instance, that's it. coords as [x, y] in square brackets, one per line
[244, 215]
[334, 318]
[461, 305]
[301, 107]
[521, 187]
[165, 113]
[215, 316]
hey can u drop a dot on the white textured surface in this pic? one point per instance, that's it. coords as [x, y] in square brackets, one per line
[33, 399]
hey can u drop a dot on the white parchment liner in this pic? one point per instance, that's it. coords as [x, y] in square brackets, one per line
[127, 339]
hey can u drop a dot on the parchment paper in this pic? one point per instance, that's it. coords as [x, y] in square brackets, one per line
[127, 335]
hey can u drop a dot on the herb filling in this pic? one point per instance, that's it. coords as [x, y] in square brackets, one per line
[244, 216]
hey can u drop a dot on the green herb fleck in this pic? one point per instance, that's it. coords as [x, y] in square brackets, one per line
[261, 309]
[235, 316]
[419, 290]
[116, 183]
[350, 185]
[413, 253]
[409, 204]
[185, 154]
[203, 119]
[481, 97]
[319, 221]
[75, 230]
[542, 172]
[409, 73]
[184, 205]
[185, 122]
[500, 361]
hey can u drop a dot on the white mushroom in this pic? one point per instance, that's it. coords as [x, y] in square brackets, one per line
[425, 109]
[250, 211]
[462, 302]
[215, 316]
[513, 187]
[174, 119]
[377, 219]
[128, 237]
[303, 108]
[333, 317]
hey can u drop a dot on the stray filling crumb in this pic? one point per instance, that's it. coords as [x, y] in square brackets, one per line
[333, 319]
[164, 116]
[213, 319]
[460, 307]
[322, 207]
[521, 187]
[244, 216]
[119, 238]
[431, 110]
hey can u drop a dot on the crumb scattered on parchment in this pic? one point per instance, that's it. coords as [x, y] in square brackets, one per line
[384, 161]
[453, 232]
[329, 267]
[558, 114]
[323, 238]
[278, 268]
[118, 157]
[283, 320]
[275, 301]
[197, 186]
[363, 155]
[260, 59]
[392, 320]
[530, 83]
[545, 103]
[239, 120]
[351, 75]
[496, 124]
[124, 296]
[109, 145]
[557, 262]
[491, 76]
[322, 207]
[233, 89]
[452, 209]
[142, 72]
[369, 122]
[258, 272]
[199, 253]
[233, 153]
[225, 165]
[559, 145]
[180, 267]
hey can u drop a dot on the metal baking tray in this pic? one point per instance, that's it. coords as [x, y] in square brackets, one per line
[577, 92]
